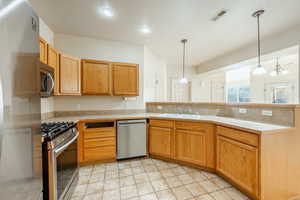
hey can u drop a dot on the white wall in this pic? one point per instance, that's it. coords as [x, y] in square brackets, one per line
[155, 82]
[47, 34]
[174, 72]
[259, 84]
[207, 87]
[270, 44]
[88, 48]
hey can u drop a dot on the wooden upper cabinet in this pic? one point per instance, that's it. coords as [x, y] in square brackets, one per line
[190, 146]
[96, 77]
[238, 162]
[125, 79]
[53, 61]
[43, 51]
[70, 75]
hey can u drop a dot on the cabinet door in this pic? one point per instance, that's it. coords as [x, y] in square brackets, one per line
[53, 61]
[126, 79]
[239, 162]
[96, 77]
[190, 146]
[43, 51]
[70, 75]
[160, 141]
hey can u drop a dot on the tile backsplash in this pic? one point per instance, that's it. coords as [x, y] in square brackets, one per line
[272, 114]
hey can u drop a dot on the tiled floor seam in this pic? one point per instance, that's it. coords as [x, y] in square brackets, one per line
[150, 180]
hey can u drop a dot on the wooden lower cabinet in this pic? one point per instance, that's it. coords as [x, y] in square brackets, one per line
[160, 141]
[189, 142]
[97, 144]
[238, 162]
[190, 146]
[99, 153]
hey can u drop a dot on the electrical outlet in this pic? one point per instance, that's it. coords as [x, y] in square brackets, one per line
[130, 98]
[267, 113]
[78, 106]
[243, 110]
[159, 107]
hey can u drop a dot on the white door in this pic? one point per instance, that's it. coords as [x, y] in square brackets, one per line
[180, 92]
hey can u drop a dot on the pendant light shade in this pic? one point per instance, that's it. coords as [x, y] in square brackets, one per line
[259, 70]
[183, 80]
[278, 69]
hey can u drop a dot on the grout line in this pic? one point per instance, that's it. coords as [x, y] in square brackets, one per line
[149, 181]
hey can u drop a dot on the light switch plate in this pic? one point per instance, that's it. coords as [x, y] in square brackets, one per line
[243, 110]
[267, 113]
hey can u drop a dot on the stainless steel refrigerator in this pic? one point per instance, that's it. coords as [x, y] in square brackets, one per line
[20, 112]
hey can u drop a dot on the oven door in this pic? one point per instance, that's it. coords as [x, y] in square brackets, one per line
[64, 172]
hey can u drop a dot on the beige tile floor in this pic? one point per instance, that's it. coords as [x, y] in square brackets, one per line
[150, 179]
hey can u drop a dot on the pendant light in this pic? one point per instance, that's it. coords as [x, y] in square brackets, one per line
[278, 69]
[183, 80]
[259, 70]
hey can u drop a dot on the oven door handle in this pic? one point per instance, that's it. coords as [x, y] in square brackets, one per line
[62, 148]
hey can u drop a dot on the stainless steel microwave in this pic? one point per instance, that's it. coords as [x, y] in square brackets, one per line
[46, 81]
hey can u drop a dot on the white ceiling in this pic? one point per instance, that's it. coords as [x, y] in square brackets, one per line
[170, 21]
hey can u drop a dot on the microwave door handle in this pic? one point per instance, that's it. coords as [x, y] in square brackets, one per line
[62, 148]
[52, 83]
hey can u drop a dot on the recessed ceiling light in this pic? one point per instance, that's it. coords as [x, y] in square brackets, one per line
[106, 12]
[145, 30]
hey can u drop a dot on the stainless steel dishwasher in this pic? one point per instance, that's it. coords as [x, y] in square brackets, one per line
[131, 138]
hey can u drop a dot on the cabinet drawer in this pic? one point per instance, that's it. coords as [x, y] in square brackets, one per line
[100, 153]
[162, 123]
[244, 137]
[99, 142]
[196, 126]
[99, 133]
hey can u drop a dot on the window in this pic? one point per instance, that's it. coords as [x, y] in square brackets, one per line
[232, 95]
[244, 94]
[238, 85]
[279, 93]
[238, 94]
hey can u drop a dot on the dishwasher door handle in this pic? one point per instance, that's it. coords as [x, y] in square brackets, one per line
[128, 124]
[123, 125]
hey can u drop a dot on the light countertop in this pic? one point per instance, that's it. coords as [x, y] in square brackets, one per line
[255, 127]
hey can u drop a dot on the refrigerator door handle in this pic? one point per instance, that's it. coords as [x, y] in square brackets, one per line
[1, 144]
[1, 118]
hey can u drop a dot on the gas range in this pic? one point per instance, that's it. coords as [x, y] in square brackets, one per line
[60, 164]
[54, 129]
